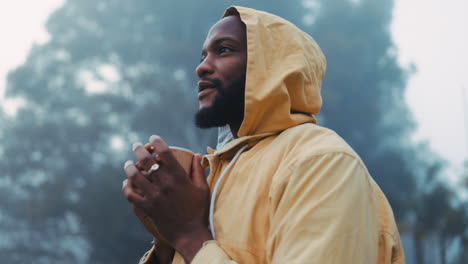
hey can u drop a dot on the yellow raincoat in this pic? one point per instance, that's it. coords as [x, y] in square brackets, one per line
[295, 192]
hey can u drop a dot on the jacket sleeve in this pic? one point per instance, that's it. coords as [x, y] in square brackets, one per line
[211, 252]
[323, 211]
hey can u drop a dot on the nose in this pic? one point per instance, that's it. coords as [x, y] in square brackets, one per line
[205, 67]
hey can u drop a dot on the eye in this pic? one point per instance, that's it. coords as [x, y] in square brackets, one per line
[225, 49]
[203, 56]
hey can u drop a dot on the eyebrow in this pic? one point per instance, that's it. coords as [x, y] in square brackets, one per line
[219, 40]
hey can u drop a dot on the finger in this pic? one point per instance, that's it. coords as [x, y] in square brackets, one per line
[140, 192]
[130, 193]
[197, 173]
[144, 158]
[142, 168]
[149, 147]
[162, 149]
[126, 181]
[139, 166]
[137, 178]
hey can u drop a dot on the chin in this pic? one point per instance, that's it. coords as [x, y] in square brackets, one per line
[208, 117]
[205, 105]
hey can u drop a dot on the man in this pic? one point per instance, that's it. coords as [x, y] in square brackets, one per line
[283, 189]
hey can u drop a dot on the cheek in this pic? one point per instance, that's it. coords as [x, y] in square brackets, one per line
[233, 73]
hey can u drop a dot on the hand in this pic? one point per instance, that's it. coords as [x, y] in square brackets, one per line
[177, 203]
[145, 219]
[164, 251]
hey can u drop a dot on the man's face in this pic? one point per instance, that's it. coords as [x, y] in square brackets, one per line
[222, 73]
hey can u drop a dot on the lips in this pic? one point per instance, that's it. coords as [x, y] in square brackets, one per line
[204, 84]
[205, 92]
[205, 88]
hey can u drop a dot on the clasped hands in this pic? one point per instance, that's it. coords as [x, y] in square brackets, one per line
[172, 205]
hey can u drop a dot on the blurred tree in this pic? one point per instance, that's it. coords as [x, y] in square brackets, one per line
[463, 257]
[438, 213]
[92, 90]
[452, 226]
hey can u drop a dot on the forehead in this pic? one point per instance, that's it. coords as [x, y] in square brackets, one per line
[230, 26]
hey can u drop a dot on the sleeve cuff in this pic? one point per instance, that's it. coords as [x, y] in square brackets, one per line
[210, 252]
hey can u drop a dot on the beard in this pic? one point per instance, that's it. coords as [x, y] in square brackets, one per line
[227, 107]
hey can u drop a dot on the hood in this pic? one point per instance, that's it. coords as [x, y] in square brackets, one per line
[285, 69]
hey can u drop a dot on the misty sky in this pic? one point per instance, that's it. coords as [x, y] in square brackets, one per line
[430, 34]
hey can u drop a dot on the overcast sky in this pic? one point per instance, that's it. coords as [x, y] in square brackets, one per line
[431, 34]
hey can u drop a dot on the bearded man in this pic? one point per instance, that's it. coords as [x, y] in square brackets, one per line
[281, 189]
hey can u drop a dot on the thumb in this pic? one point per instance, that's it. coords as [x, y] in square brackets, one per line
[197, 172]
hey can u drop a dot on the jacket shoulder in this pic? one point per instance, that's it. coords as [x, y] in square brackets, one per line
[311, 140]
[305, 143]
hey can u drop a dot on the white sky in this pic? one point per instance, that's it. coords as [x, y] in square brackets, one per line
[21, 25]
[431, 34]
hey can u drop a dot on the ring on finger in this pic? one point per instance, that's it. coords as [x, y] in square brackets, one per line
[153, 168]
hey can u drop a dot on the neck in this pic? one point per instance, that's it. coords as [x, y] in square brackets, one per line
[235, 126]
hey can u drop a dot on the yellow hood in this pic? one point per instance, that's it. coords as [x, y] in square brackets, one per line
[285, 70]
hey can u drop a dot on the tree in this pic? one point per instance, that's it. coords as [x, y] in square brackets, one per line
[90, 93]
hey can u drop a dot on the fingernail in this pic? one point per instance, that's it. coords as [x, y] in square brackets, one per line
[153, 138]
[128, 163]
[124, 183]
[136, 145]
